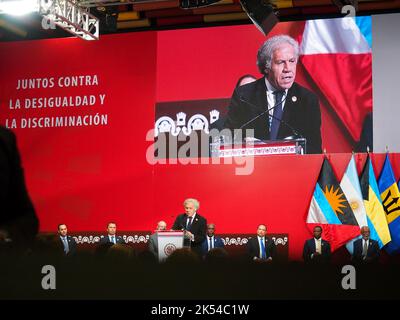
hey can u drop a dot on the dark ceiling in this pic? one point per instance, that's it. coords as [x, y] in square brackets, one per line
[125, 16]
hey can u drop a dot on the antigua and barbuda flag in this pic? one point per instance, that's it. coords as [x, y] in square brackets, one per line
[373, 205]
[390, 196]
[350, 185]
[338, 57]
[330, 209]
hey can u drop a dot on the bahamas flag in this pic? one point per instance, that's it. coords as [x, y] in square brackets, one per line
[350, 185]
[390, 195]
[330, 209]
[373, 205]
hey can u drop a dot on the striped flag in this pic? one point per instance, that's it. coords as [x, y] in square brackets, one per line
[373, 205]
[337, 55]
[329, 207]
[350, 185]
[390, 196]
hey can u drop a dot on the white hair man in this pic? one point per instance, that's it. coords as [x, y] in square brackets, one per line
[153, 242]
[193, 224]
[275, 106]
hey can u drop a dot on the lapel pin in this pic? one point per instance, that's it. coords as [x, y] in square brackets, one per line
[294, 98]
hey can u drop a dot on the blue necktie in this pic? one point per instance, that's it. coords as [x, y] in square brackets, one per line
[113, 239]
[189, 224]
[277, 115]
[210, 238]
[66, 249]
[262, 246]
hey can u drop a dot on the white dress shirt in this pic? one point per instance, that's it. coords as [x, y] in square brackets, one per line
[271, 99]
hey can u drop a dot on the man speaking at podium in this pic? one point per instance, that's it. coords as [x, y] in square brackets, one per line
[193, 224]
[275, 106]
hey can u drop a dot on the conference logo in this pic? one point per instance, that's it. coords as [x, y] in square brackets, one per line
[169, 248]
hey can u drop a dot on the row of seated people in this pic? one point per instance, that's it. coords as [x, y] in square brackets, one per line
[259, 248]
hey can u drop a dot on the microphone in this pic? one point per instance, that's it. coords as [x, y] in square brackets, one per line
[296, 133]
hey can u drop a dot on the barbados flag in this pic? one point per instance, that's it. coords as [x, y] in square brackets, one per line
[390, 196]
[330, 209]
[373, 205]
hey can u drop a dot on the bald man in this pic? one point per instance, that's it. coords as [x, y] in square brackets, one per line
[365, 250]
[153, 241]
[211, 241]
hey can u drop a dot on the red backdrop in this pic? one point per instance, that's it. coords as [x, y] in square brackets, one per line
[86, 176]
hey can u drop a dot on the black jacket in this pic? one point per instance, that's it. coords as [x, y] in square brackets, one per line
[301, 112]
[17, 215]
[72, 246]
[253, 248]
[106, 239]
[309, 249]
[198, 228]
[373, 251]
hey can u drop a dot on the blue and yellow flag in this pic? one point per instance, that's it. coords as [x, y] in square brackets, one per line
[373, 205]
[390, 196]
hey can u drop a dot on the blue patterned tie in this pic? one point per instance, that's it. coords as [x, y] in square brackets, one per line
[278, 111]
[262, 246]
[189, 223]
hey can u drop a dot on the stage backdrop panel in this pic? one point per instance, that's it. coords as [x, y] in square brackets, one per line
[85, 172]
[78, 170]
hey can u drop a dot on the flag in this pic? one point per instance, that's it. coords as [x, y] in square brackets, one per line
[373, 205]
[350, 185]
[341, 48]
[390, 195]
[330, 209]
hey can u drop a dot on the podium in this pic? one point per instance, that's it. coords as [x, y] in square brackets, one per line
[168, 242]
[258, 148]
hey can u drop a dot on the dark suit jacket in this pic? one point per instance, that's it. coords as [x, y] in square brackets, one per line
[373, 252]
[218, 243]
[106, 239]
[253, 248]
[17, 215]
[153, 244]
[301, 111]
[71, 245]
[309, 249]
[198, 228]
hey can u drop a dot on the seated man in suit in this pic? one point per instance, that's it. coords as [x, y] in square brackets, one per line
[67, 242]
[18, 222]
[365, 250]
[261, 248]
[316, 249]
[153, 241]
[111, 235]
[211, 240]
[193, 224]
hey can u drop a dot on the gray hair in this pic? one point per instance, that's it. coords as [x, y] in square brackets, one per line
[194, 201]
[265, 53]
[161, 223]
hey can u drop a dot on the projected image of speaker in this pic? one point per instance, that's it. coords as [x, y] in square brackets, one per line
[262, 13]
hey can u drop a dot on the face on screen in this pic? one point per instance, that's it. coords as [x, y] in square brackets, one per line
[283, 67]
[189, 209]
[112, 228]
